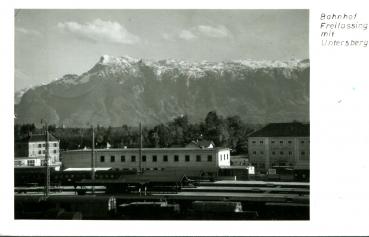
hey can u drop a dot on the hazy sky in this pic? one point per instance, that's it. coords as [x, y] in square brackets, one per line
[52, 43]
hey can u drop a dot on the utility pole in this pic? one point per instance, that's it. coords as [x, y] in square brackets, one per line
[140, 152]
[93, 160]
[47, 176]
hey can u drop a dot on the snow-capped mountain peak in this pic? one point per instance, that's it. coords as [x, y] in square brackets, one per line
[111, 60]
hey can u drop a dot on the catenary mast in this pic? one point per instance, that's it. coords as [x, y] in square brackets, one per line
[47, 171]
[140, 152]
[93, 160]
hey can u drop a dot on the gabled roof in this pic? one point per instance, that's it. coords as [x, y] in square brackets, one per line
[38, 138]
[294, 129]
[202, 144]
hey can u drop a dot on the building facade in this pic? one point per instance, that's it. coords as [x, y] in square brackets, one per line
[30, 151]
[280, 144]
[198, 160]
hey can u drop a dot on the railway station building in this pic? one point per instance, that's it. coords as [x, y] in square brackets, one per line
[190, 160]
[280, 144]
[30, 151]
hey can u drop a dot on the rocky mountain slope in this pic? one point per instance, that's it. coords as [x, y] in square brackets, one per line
[125, 90]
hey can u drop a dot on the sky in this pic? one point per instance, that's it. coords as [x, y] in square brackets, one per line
[52, 43]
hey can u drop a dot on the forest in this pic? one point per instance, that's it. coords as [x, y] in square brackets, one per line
[230, 132]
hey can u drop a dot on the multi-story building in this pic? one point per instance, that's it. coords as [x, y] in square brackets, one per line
[280, 144]
[188, 160]
[30, 151]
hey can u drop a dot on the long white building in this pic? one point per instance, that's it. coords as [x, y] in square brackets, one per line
[187, 160]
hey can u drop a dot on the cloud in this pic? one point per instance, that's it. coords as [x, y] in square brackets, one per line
[187, 35]
[199, 31]
[213, 32]
[27, 31]
[100, 31]
[168, 37]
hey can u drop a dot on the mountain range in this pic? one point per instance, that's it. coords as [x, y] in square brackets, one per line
[126, 90]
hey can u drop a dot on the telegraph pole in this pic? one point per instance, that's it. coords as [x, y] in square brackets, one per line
[47, 176]
[140, 152]
[93, 160]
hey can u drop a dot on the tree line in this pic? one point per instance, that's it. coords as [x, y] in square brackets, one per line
[228, 132]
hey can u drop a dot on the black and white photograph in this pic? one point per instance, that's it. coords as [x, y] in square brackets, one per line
[185, 118]
[161, 114]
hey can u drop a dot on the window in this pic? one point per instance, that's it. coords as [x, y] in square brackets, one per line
[102, 158]
[290, 153]
[302, 142]
[198, 158]
[18, 163]
[55, 144]
[254, 152]
[31, 162]
[133, 158]
[289, 142]
[273, 152]
[273, 141]
[43, 145]
[143, 158]
[303, 153]
[261, 142]
[253, 142]
[281, 152]
[39, 145]
[54, 151]
[165, 158]
[261, 152]
[176, 158]
[210, 158]
[122, 159]
[281, 142]
[187, 158]
[112, 158]
[39, 152]
[154, 158]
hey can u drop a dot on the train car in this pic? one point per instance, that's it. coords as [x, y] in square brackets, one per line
[28, 177]
[141, 183]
